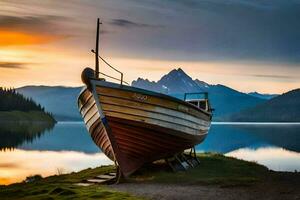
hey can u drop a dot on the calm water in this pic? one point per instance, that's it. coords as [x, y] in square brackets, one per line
[28, 150]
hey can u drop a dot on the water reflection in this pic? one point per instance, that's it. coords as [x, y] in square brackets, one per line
[282, 135]
[65, 136]
[13, 134]
[227, 138]
[43, 150]
[16, 165]
[274, 158]
[276, 146]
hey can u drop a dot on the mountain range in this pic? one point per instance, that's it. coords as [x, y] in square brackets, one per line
[263, 96]
[223, 99]
[229, 104]
[60, 101]
[283, 108]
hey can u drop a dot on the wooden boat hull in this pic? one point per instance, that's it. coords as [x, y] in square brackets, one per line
[134, 126]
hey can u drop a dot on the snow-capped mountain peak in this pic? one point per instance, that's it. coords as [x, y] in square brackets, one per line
[176, 81]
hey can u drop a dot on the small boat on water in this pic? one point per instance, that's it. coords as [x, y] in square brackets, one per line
[133, 126]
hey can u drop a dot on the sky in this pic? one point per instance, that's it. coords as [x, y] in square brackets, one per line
[249, 45]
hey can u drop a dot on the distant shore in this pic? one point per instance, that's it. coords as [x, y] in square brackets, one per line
[217, 177]
[255, 123]
[213, 122]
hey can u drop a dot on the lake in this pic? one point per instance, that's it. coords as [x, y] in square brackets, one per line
[33, 149]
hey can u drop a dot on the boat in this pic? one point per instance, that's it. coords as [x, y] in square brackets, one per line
[133, 126]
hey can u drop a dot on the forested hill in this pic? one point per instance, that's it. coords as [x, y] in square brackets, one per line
[11, 100]
[16, 107]
[283, 108]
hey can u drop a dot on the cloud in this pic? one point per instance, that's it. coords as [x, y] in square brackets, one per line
[217, 4]
[33, 23]
[33, 29]
[275, 76]
[222, 30]
[12, 65]
[193, 30]
[12, 21]
[105, 31]
[10, 38]
[9, 165]
[130, 24]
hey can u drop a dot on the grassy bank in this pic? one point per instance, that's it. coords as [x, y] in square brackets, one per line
[214, 170]
[62, 187]
[31, 116]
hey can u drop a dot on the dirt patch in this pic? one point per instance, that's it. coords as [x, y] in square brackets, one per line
[280, 187]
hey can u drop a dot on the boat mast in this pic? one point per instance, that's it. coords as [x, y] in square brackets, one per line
[97, 49]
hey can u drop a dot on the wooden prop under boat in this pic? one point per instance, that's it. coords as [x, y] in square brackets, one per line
[133, 126]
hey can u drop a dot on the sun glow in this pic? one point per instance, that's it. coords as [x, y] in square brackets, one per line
[10, 38]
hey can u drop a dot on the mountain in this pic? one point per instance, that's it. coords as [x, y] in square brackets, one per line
[283, 108]
[175, 82]
[224, 100]
[263, 96]
[60, 101]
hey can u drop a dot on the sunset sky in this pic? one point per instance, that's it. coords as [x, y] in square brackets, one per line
[249, 45]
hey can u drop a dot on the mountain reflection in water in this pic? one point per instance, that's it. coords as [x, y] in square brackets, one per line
[277, 146]
[224, 138]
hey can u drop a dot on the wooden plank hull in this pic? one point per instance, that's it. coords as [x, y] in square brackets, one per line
[134, 126]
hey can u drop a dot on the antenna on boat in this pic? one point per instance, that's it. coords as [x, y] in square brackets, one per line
[97, 49]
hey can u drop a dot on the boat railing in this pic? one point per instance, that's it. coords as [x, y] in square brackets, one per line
[114, 78]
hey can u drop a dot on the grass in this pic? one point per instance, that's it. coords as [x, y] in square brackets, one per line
[214, 169]
[40, 191]
[19, 116]
[62, 187]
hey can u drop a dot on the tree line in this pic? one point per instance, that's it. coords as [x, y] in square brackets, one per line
[11, 100]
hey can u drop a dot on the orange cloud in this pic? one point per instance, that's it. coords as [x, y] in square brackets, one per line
[5, 181]
[11, 38]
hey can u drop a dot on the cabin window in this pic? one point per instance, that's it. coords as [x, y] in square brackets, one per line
[202, 105]
[195, 103]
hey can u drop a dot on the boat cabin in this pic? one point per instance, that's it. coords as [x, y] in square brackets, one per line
[200, 103]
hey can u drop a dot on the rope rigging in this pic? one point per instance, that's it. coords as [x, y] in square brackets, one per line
[109, 65]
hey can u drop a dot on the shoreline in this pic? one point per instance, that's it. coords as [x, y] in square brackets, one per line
[216, 123]
[216, 174]
[255, 123]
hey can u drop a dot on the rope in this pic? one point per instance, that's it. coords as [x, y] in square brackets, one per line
[113, 69]
[112, 77]
[109, 65]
